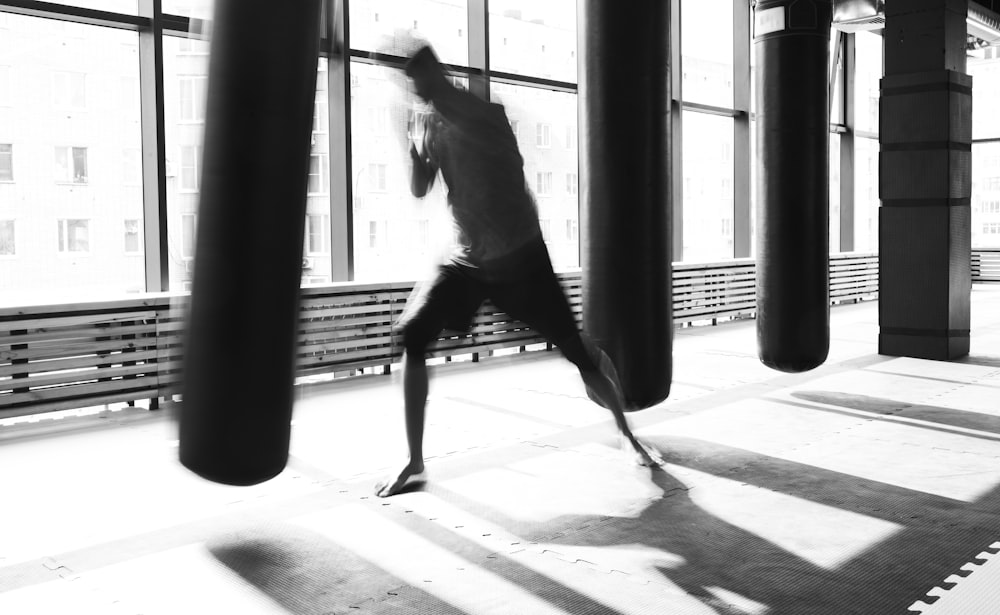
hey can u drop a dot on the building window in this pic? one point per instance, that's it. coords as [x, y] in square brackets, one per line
[320, 116]
[133, 245]
[74, 236]
[192, 98]
[372, 234]
[991, 228]
[543, 183]
[189, 172]
[377, 177]
[188, 224]
[131, 167]
[571, 183]
[6, 162]
[543, 135]
[572, 230]
[990, 207]
[5, 89]
[546, 226]
[71, 165]
[318, 174]
[7, 245]
[378, 120]
[128, 95]
[570, 137]
[69, 89]
[317, 234]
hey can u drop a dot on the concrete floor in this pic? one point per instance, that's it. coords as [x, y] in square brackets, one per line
[857, 487]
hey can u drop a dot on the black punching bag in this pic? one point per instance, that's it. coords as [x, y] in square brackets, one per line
[792, 38]
[239, 349]
[624, 102]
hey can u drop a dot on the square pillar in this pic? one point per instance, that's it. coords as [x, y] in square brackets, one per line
[925, 182]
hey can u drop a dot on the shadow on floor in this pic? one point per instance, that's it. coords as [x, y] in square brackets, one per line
[932, 415]
[981, 360]
[307, 573]
[938, 535]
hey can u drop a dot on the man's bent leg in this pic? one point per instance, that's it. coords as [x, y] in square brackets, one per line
[601, 379]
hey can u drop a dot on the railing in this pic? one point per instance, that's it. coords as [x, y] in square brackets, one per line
[58, 357]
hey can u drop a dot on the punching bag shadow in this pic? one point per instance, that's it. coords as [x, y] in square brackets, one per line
[242, 325]
[791, 39]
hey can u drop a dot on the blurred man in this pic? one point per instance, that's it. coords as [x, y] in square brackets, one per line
[501, 255]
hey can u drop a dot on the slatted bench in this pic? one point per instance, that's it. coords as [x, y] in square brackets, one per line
[68, 356]
[986, 265]
[58, 357]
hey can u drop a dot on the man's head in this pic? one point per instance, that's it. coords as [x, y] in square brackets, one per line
[427, 73]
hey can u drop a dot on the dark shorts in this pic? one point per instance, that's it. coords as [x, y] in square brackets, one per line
[523, 285]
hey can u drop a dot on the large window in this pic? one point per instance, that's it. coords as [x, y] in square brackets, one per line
[709, 122]
[984, 67]
[834, 192]
[385, 212]
[866, 146]
[118, 6]
[707, 52]
[393, 27]
[985, 195]
[551, 155]
[72, 158]
[708, 187]
[65, 131]
[528, 37]
[868, 51]
[866, 197]
[185, 70]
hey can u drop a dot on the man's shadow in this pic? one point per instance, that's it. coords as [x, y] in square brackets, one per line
[720, 559]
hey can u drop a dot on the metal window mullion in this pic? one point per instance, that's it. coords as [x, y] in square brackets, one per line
[76, 14]
[154, 158]
[741, 129]
[847, 179]
[838, 43]
[676, 136]
[337, 32]
[479, 48]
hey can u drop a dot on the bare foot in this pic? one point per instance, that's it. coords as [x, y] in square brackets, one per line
[643, 454]
[409, 475]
